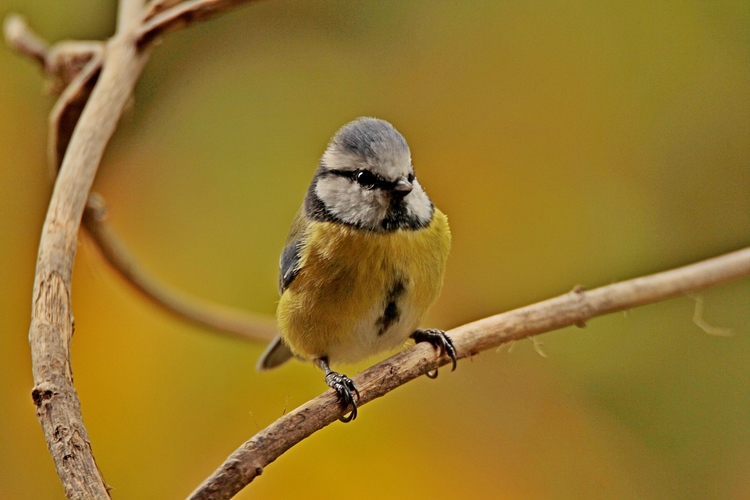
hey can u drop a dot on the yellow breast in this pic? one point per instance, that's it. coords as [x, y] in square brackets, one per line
[361, 292]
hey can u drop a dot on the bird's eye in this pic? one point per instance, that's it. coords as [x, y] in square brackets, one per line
[366, 178]
[410, 178]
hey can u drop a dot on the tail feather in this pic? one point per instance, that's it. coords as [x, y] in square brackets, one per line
[276, 354]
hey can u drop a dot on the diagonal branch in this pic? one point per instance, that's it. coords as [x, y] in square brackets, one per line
[573, 308]
[218, 318]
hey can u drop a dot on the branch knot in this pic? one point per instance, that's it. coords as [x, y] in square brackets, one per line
[43, 393]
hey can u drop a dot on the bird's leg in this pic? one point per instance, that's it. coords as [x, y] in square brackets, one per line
[441, 341]
[343, 386]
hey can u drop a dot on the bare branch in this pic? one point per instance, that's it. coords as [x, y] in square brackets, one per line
[58, 407]
[574, 308]
[218, 318]
[182, 14]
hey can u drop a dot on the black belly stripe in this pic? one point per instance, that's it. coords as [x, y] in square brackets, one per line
[391, 313]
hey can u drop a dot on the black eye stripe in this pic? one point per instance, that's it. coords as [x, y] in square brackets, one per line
[372, 181]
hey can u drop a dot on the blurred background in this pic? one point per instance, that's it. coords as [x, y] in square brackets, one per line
[569, 143]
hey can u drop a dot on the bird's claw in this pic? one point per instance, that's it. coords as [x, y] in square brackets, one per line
[345, 389]
[439, 340]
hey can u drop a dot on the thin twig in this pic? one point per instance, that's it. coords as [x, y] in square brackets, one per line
[574, 308]
[155, 7]
[63, 60]
[183, 14]
[23, 40]
[702, 323]
[218, 318]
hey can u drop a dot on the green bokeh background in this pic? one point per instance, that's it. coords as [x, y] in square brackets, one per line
[569, 143]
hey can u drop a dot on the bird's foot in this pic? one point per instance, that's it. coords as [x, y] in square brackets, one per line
[439, 340]
[343, 385]
[345, 388]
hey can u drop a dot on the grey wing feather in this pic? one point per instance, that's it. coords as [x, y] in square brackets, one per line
[277, 353]
[289, 265]
[290, 256]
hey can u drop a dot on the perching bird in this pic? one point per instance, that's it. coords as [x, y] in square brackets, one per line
[364, 259]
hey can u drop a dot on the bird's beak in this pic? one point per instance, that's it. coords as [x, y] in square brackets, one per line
[402, 188]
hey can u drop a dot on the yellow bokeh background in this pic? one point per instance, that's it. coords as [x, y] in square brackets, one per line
[569, 143]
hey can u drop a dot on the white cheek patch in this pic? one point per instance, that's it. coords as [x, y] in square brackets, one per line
[418, 205]
[350, 203]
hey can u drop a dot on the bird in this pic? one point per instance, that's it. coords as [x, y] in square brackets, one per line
[363, 262]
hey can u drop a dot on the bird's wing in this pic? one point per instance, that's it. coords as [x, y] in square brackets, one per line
[290, 256]
[277, 352]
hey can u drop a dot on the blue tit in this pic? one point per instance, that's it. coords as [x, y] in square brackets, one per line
[364, 260]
